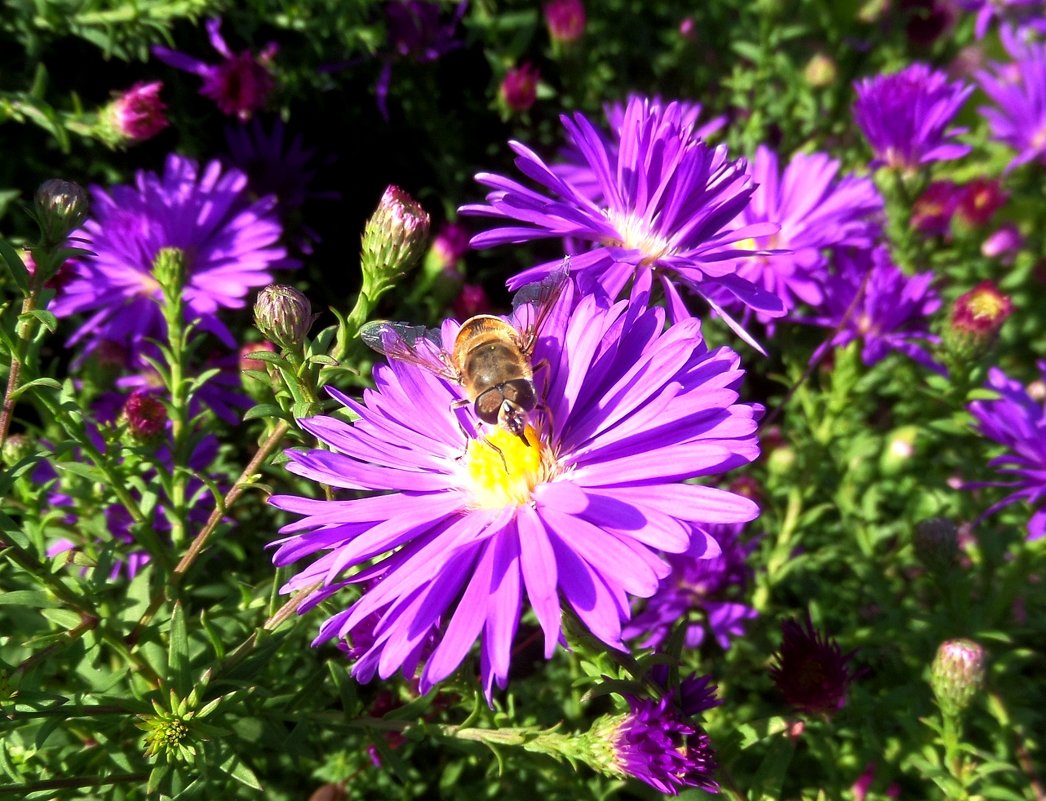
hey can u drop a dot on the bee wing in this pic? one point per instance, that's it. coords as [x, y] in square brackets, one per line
[414, 344]
[533, 303]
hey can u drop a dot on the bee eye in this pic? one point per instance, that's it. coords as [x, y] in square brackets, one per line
[487, 406]
[520, 392]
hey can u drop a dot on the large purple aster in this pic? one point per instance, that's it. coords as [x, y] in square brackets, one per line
[1019, 93]
[886, 310]
[816, 209]
[667, 203]
[905, 116]
[468, 521]
[1019, 423]
[240, 84]
[230, 245]
[1024, 15]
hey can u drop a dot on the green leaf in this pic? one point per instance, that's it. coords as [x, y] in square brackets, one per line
[45, 318]
[178, 652]
[15, 264]
[37, 383]
[235, 767]
[30, 598]
[265, 410]
[61, 617]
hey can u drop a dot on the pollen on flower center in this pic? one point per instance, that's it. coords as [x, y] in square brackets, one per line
[502, 471]
[635, 233]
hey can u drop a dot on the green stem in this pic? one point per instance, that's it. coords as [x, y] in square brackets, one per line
[25, 331]
[198, 543]
[71, 782]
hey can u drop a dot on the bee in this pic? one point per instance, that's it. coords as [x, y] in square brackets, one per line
[490, 358]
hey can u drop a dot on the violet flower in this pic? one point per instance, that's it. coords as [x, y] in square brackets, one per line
[240, 84]
[892, 310]
[230, 245]
[468, 522]
[1018, 90]
[1017, 422]
[669, 201]
[905, 116]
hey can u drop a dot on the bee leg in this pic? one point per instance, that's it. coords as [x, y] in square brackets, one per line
[500, 453]
[460, 404]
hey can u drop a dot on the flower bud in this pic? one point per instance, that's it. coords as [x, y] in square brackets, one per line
[933, 210]
[978, 202]
[169, 271]
[1003, 244]
[820, 71]
[811, 671]
[16, 448]
[975, 320]
[957, 673]
[901, 447]
[519, 88]
[144, 414]
[565, 20]
[61, 208]
[395, 236]
[283, 315]
[135, 115]
[936, 543]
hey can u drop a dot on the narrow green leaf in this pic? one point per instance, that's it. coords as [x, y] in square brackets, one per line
[235, 767]
[15, 265]
[31, 598]
[178, 652]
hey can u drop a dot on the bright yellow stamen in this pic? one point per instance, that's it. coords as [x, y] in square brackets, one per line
[506, 478]
[988, 304]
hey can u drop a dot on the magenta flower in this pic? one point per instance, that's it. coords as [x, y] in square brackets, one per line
[891, 311]
[565, 20]
[239, 85]
[1025, 15]
[660, 743]
[1017, 422]
[468, 522]
[1018, 90]
[905, 116]
[519, 88]
[229, 244]
[700, 591]
[816, 209]
[668, 201]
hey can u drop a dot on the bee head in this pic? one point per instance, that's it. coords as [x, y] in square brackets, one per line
[513, 419]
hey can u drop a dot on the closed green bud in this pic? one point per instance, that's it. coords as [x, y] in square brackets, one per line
[61, 208]
[16, 448]
[957, 674]
[169, 272]
[283, 315]
[395, 236]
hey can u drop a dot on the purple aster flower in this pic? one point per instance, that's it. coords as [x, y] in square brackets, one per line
[890, 310]
[1025, 15]
[811, 671]
[816, 209]
[1018, 422]
[229, 243]
[702, 586]
[239, 85]
[668, 202]
[905, 116]
[576, 170]
[469, 520]
[661, 744]
[1019, 93]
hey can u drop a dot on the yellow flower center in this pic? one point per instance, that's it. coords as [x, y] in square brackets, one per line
[502, 471]
[636, 234]
[987, 305]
